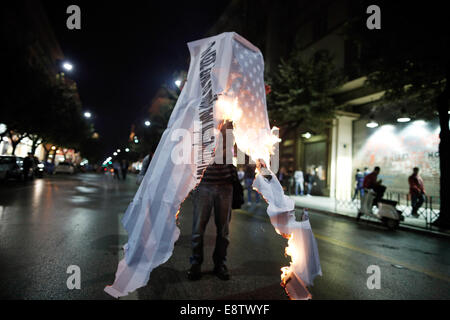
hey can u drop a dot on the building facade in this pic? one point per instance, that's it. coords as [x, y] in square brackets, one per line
[349, 144]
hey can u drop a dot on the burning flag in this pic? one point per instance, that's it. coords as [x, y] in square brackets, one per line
[225, 82]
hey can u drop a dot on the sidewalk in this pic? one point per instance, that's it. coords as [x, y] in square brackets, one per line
[349, 209]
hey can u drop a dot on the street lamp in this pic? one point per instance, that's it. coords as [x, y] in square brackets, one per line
[178, 83]
[87, 115]
[147, 123]
[115, 153]
[306, 135]
[67, 66]
[118, 150]
[127, 150]
[403, 119]
[372, 124]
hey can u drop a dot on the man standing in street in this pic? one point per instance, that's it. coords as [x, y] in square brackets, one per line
[417, 191]
[215, 191]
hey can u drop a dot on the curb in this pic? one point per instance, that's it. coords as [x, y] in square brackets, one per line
[433, 233]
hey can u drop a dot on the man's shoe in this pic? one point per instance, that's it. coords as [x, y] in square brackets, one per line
[222, 272]
[195, 273]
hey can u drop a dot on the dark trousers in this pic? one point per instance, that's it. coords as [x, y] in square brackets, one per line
[359, 190]
[379, 190]
[308, 188]
[248, 185]
[416, 202]
[206, 198]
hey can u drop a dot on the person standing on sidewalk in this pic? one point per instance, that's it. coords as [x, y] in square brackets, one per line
[299, 182]
[215, 191]
[359, 179]
[417, 191]
[309, 180]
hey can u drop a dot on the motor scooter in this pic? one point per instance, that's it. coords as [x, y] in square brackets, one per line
[387, 212]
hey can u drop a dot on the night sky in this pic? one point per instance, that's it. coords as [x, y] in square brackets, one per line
[125, 51]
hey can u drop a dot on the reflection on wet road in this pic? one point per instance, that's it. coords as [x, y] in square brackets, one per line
[52, 223]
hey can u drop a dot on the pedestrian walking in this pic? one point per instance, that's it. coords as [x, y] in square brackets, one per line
[299, 182]
[124, 168]
[359, 180]
[249, 177]
[215, 191]
[417, 191]
[117, 169]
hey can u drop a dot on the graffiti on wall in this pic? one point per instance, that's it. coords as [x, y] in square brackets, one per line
[398, 149]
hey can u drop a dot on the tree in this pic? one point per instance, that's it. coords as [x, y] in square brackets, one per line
[160, 110]
[301, 91]
[37, 102]
[409, 58]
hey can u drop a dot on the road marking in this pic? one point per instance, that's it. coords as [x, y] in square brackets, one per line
[363, 251]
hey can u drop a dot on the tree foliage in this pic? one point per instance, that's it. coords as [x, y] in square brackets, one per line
[301, 90]
[407, 57]
[38, 102]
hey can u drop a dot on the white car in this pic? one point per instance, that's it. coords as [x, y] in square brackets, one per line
[64, 167]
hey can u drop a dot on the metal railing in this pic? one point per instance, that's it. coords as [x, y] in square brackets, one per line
[427, 213]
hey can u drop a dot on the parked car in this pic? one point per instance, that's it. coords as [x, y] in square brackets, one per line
[11, 167]
[64, 167]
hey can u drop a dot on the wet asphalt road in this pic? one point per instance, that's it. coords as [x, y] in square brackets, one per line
[52, 223]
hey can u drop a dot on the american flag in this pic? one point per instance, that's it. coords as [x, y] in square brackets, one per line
[223, 65]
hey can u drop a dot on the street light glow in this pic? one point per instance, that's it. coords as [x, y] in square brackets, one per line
[118, 150]
[87, 114]
[127, 150]
[372, 124]
[404, 119]
[307, 135]
[178, 83]
[68, 66]
[115, 153]
[147, 123]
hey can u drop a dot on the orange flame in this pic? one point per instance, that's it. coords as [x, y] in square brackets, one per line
[291, 251]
